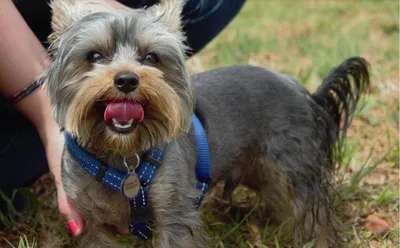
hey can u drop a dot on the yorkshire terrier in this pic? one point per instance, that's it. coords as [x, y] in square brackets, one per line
[119, 87]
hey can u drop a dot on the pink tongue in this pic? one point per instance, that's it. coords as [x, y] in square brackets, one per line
[123, 111]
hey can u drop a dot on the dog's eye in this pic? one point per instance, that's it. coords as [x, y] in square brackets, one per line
[94, 57]
[150, 59]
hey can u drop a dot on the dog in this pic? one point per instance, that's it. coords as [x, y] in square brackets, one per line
[119, 87]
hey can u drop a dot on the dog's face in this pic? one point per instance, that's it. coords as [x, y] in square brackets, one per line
[118, 82]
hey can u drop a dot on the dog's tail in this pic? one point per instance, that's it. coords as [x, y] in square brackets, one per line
[340, 93]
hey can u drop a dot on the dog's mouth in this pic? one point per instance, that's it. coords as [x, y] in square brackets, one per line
[122, 116]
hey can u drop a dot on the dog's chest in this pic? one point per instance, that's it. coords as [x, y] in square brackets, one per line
[93, 198]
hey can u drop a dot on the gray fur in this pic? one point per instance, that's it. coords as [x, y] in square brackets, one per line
[264, 131]
[121, 39]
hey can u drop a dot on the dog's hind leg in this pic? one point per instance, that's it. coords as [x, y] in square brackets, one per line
[302, 217]
[296, 184]
[312, 223]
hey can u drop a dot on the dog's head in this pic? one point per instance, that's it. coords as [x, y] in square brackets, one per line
[118, 81]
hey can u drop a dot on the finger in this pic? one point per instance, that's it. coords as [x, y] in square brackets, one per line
[74, 219]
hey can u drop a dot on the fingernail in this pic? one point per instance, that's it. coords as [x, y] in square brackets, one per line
[73, 226]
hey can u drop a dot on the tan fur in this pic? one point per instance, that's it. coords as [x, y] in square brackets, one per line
[162, 120]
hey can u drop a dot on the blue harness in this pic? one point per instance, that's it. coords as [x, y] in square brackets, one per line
[141, 218]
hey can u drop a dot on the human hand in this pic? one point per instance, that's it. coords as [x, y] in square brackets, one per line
[53, 142]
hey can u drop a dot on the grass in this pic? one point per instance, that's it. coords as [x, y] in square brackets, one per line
[305, 39]
[24, 243]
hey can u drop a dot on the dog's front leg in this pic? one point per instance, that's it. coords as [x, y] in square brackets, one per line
[173, 197]
[178, 236]
[97, 235]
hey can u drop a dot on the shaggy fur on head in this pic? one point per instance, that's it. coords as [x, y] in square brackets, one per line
[264, 129]
[77, 87]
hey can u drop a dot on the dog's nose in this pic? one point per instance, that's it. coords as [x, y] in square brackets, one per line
[126, 81]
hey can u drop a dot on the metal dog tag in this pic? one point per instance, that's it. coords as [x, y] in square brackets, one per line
[131, 183]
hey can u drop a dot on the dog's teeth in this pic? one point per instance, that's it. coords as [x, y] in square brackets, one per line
[122, 126]
[119, 125]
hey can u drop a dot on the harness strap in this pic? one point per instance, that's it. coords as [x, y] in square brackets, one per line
[203, 160]
[141, 217]
[108, 176]
[141, 214]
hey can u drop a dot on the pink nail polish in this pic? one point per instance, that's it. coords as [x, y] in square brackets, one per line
[73, 226]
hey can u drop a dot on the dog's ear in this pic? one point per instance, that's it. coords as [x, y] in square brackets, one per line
[169, 12]
[66, 12]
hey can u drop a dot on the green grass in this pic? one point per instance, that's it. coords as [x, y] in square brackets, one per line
[387, 197]
[305, 39]
[24, 243]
